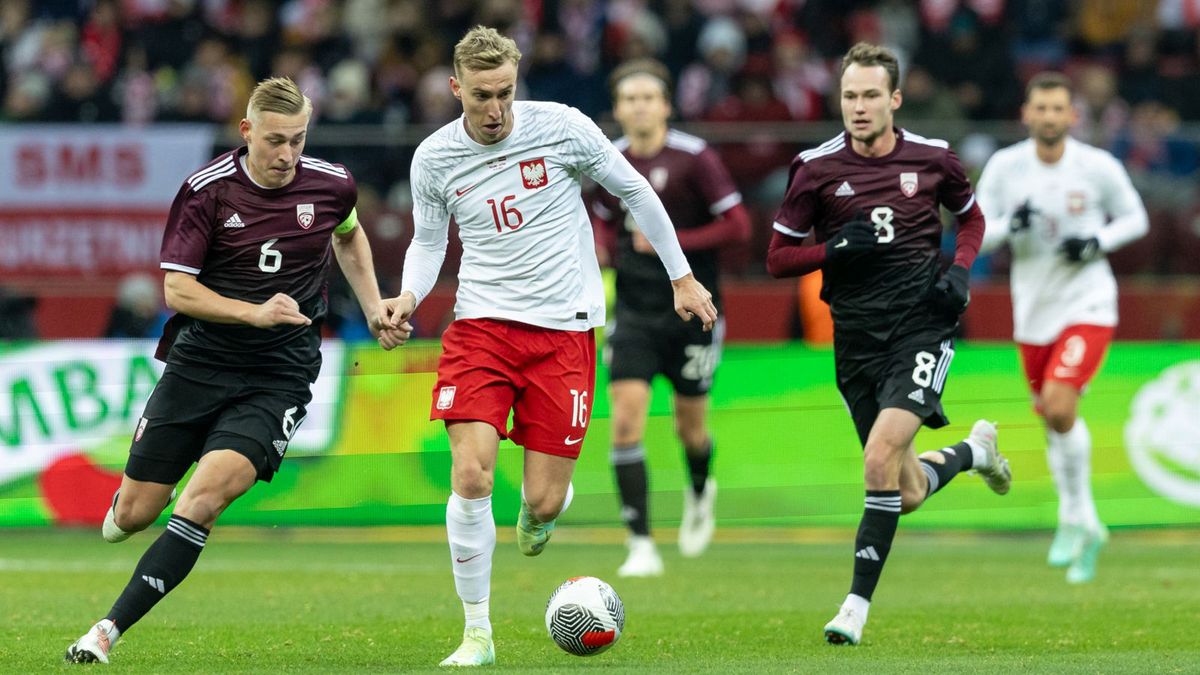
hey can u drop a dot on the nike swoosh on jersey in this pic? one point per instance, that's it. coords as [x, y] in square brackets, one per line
[841, 243]
[465, 191]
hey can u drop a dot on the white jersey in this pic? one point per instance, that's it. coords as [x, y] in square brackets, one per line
[1087, 193]
[528, 250]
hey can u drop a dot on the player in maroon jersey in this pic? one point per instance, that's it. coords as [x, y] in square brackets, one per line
[246, 251]
[864, 208]
[646, 337]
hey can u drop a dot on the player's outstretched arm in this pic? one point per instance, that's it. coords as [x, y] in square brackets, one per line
[353, 253]
[183, 293]
[693, 299]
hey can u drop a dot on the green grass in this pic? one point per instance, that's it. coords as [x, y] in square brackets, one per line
[336, 601]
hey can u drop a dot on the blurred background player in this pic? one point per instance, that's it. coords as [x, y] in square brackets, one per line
[246, 251]
[1061, 205]
[529, 297]
[645, 337]
[868, 200]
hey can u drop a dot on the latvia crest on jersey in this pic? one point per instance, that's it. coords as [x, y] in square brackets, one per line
[908, 184]
[305, 215]
[533, 173]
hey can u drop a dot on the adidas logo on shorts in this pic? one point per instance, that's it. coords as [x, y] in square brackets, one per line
[918, 396]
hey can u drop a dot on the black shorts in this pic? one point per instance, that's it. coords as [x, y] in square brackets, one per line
[909, 373]
[642, 344]
[194, 410]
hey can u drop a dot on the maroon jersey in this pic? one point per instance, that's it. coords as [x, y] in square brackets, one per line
[899, 194]
[695, 188]
[247, 242]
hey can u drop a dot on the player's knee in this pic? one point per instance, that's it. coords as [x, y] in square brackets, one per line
[202, 507]
[879, 463]
[625, 433]
[471, 481]
[692, 435]
[132, 517]
[1059, 418]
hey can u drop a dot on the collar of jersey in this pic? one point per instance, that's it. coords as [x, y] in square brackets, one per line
[494, 147]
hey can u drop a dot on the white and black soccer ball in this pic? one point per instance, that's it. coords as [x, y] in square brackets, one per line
[585, 616]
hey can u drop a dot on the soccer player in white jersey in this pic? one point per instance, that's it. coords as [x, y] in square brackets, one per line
[1062, 205]
[529, 295]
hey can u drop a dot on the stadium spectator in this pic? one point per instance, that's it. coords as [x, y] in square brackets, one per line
[16, 315]
[1102, 113]
[722, 47]
[528, 299]
[139, 312]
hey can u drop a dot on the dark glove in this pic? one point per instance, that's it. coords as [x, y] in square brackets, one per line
[952, 292]
[1078, 249]
[1021, 218]
[856, 237]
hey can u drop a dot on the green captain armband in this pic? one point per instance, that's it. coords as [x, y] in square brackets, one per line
[349, 223]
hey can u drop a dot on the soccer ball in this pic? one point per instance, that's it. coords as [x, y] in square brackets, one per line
[585, 616]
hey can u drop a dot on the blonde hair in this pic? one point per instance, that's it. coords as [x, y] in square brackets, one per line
[277, 95]
[484, 48]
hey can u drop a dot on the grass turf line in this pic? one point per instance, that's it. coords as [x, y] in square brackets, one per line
[282, 603]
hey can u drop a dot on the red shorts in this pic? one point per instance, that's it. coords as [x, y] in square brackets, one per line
[1073, 358]
[544, 376]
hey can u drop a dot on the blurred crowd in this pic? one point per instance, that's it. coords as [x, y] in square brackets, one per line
[369, 61]
[1136, 64]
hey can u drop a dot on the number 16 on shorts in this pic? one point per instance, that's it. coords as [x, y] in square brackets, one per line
[579, 408]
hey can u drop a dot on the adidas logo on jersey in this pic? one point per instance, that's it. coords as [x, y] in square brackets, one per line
[234, 221]
[918, 396]
[844, 190]
[867, 553]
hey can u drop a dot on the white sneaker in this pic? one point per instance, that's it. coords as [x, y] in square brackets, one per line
[699, 519]
[94, 646]
[996, 473]
[1083, 568]
[476, 649]
[846, 628]
[1068, 541]
[643, 559]
[109, 530]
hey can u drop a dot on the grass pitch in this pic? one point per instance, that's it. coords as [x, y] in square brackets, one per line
[354, 601]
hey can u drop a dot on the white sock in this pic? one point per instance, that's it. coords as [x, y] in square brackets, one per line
[471, 530]
[477, 614]
[979, 457]
[1059, 461]
[1079, 440]
[859, 604]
